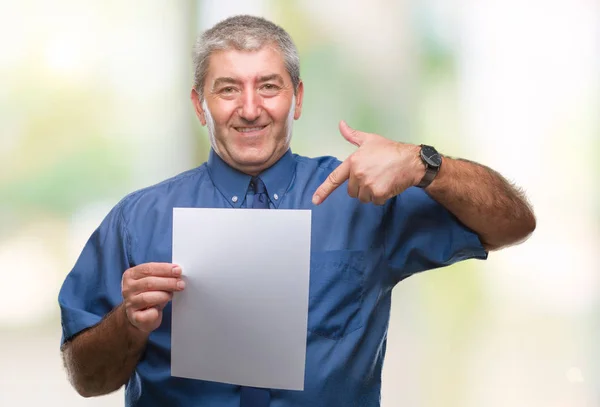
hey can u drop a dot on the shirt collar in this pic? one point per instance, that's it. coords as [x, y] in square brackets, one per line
[233, 184]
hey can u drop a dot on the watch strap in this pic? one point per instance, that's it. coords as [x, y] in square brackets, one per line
[429, 176]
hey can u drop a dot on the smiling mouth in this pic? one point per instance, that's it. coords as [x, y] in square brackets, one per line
[249, 129]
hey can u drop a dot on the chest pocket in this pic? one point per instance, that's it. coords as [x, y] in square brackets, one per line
[336, 292]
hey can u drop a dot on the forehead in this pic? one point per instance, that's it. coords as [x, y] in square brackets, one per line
[246, 64]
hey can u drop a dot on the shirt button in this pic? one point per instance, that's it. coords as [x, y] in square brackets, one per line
[276, 196]
[234, 199]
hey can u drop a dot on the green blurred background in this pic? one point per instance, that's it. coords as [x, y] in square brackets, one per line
[94, 103]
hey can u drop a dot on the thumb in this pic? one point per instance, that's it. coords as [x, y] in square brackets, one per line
[353, 136]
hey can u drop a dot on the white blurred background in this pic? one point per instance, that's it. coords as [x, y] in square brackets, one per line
[94, 103]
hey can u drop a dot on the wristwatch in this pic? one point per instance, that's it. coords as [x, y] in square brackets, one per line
[433, 161]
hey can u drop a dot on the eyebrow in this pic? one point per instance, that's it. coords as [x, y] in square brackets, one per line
[225, 80]
[267, 78]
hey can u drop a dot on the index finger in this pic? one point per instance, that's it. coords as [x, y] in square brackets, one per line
[336, 178]
[156, 270]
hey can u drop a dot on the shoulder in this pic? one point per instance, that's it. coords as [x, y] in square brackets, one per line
[164, 190]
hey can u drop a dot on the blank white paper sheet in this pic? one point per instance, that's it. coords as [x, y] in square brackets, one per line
[243, 315]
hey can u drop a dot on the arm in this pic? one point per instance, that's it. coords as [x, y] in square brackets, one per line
[478, 196]
[101, 359]
[482, 200]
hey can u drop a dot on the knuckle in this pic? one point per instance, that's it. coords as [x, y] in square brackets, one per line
[147, 298]
[338, 177]
[127, 293]
[377, 191]
[126, 277]
[136, 272]
[128, 304]
[155, 267]
[333, 178]
[146, 270]
[125, 288]
[149, 284]
[163, 299]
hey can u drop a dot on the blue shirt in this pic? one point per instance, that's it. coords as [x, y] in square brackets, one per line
[359, 252]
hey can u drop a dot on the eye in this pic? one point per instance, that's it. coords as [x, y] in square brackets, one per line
[269, 88]
[228, 89]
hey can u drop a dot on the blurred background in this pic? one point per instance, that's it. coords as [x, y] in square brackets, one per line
[94, 103]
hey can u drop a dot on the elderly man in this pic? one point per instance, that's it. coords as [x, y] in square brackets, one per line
[388, 211]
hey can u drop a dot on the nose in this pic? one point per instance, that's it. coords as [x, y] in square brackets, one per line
[250, 108]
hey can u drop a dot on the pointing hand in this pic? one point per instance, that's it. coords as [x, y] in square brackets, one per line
[377, 171]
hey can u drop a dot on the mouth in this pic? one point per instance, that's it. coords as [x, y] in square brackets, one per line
[250, 131]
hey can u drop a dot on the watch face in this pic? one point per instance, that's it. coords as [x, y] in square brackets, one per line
[431, 156]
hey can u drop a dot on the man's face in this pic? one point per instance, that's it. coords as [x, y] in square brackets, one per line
[249, 106]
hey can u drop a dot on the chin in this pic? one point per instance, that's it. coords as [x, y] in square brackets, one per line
[251, 158]
[255, 155]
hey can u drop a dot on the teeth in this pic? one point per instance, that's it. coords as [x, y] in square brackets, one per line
[249, 129]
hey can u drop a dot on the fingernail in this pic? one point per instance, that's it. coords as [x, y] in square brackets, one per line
[316, 199]
[181, 284]
[177, 270]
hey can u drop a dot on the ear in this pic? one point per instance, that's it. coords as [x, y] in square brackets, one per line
[195, 97]
[299, 96]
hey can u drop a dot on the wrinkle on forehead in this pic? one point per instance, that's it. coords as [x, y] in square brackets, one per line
[243, 65]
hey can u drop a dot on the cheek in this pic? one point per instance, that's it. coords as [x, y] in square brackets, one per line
[222, 112]
[277, 109]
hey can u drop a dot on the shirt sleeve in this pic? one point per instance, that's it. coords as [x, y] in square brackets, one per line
[93, 287]
[420, 234]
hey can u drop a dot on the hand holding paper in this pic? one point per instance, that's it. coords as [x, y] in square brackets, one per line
[146, 289]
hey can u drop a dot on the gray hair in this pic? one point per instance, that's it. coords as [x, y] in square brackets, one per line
[244, 33]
